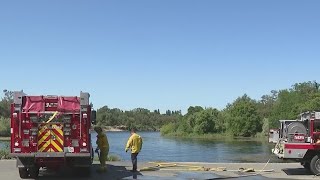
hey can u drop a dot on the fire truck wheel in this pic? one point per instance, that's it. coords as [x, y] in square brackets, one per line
[34, 172]
[23, 172]
[315, 165]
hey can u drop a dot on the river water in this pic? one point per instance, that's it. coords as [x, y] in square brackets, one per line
[158, 148]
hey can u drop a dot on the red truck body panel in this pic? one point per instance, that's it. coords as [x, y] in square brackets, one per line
[51, 131]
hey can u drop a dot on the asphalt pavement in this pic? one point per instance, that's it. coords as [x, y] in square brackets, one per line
[121, 170]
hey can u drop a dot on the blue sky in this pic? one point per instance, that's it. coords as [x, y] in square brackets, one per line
[166, 54]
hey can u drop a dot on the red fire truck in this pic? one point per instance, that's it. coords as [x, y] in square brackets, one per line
[51, 132]
[299, 140]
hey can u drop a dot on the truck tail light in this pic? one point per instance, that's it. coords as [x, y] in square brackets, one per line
[85, 116]
[84, 144]
[16, 144]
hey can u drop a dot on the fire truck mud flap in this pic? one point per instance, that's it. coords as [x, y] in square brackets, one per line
[25, 162]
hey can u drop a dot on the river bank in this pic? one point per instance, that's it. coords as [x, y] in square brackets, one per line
[217, 136]
[4, 138]
[115, 128]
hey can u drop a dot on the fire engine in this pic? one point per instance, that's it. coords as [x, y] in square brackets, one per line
[51, 132]
[299, 140]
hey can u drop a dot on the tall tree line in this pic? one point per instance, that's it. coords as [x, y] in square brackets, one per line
[246, 116]
[242, 117]
[139, 118]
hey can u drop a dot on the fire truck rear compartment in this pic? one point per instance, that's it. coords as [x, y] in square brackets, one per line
[51, 132]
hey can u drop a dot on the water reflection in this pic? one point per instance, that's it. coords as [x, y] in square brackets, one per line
[4, 144]
[157, 148]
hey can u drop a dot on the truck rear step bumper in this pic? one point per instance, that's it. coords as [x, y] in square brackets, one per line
[48, 155]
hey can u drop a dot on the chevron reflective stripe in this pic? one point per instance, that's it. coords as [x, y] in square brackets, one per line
[57, 141]
[50, 139]
[43, 139]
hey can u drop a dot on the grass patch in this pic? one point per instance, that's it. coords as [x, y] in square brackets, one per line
[261, 136]
[111, 157]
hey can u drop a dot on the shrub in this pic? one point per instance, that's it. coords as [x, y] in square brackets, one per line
[168, 128]
[4, 126]
[4, 152]
[111, 157]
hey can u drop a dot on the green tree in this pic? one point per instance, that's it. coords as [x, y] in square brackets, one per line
[266, 104]
[206, 121]
[243, 117]
[4, 126]
[5, 103]
[139, 118]
[194, 109]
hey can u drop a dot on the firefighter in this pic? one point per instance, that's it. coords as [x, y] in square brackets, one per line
[103, 146]
[134, 144]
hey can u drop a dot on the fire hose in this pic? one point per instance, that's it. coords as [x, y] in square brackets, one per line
[167, 166]
[52, 117]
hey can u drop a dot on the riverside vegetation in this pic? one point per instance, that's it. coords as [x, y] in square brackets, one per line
[244, 117]
[247, 117]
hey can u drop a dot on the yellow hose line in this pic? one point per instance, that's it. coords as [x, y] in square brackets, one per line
[165, 166]
[149, 169]
[182, 165]
[52, 117]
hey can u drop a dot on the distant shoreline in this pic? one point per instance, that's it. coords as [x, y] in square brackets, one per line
[215, 136]
[115, 128]
[5, 138]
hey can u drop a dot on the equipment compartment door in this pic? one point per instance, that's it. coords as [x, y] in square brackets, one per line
[50, 138]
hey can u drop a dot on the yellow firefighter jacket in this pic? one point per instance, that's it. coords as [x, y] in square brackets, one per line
[102, 142]
[135, 143]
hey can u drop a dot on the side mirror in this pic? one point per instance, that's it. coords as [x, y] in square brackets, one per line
[93, 116]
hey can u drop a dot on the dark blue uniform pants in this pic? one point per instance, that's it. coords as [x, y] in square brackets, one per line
[134, 160]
